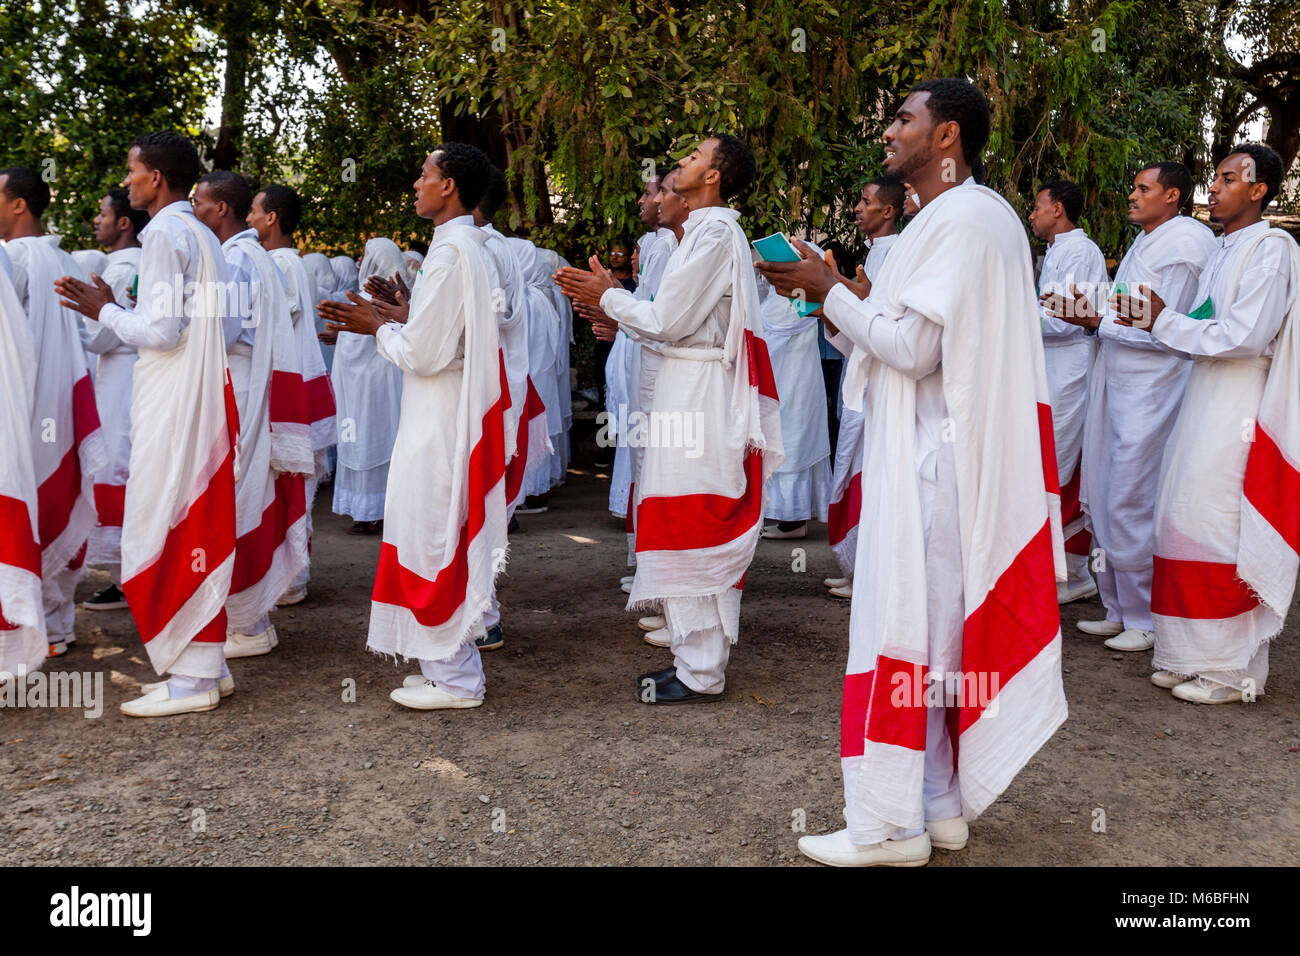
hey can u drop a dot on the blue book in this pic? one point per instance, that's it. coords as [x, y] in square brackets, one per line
[778, 248]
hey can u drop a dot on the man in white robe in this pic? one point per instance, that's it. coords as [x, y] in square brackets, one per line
[178, 529]
[1227, 518]
[445, 520]
[1136, 389]
[323, 279]
[877, 215]
[117, 228]
[544, 333]
[699, 501]
[66, 440]
[1072, 259]
[960, 540]
[270, 502]
[23, 643]
[275, 214]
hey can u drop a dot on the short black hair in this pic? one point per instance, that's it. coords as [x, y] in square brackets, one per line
[734, 161]
[285, 203]
[960, 101]
[1268, 167]
[120, 201]
[1068, 194]
[467, 167]
[1172, 175]
[891, 193]
[24, 183]
[172, 155]
[230, 188]
[495, 196]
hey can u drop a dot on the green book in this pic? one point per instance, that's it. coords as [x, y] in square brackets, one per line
[778, 248]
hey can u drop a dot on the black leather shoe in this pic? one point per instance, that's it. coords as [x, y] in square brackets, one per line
[669, 690]
[657, 676]
[490, 641]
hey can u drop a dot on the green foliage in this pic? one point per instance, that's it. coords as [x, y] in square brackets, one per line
[79, 81]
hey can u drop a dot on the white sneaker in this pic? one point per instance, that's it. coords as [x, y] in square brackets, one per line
[249, 645]
[836, 849]
[160, 703]
[1167, 679]
[626, 588]
[837, 582]
[292, 596]
[225, 686]
[429, 696]
[948, 834]
[661, 637]
[627, 579]
[652, 623]
[774, 531]
[1132, 640]
[844, 592]
[1202, 691]
[1065, 593]
[1100, 628]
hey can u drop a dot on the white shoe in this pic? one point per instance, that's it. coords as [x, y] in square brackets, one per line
[1167, 679]
[844, 592]
[292, 596]
[160, 703]
[225, 686]
[837, 582]
[774, 531]
[948, 834]
[1132, 640]
[836, 849]
[627, 579]
[429, 696]
[1202, 691]
[652, 623]
[1100, 628]
[1065, 593]
[661, 637]
[249, 645]
[626, 588]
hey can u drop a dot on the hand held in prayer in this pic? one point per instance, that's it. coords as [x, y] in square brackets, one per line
[860, 285]
[1135, 311]
[86, 298]
[328, 337]
[1076, 309]
[582, 286]
[360, 317]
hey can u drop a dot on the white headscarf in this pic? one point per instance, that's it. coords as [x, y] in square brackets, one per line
[383, 258]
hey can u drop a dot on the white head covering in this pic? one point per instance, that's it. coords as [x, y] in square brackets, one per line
[345, 274]
[382, 257]
[322, 274]
[413, 261]
[91, 260]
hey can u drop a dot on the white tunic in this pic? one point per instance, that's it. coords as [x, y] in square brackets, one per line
[1136, 390]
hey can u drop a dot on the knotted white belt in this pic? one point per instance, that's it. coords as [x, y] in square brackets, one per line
[696, 354]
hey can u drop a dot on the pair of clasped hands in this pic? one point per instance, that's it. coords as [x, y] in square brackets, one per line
[390, 301]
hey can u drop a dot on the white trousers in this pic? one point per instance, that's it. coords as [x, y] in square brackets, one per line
[1076, 568]
[58, 592]
[1127, 597]
[309, 487]
[461, 674]
[702, 631]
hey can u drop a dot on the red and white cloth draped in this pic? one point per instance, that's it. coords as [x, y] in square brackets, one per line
[445, 511]
[67, 445]
[301, 291]
[963, 263]
[846, 492]
[22, 620]
[178, 532]
[714, 432]
[270, 502]
[1211, 613]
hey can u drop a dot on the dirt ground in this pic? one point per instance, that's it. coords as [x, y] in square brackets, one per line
[563, 765]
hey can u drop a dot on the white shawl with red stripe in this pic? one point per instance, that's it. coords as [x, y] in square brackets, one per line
[301, 291]
[67, 445]
[22, 620]
[445, 511]
[270, 503]
[963, 263]
[178, 528]
[700, 503]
